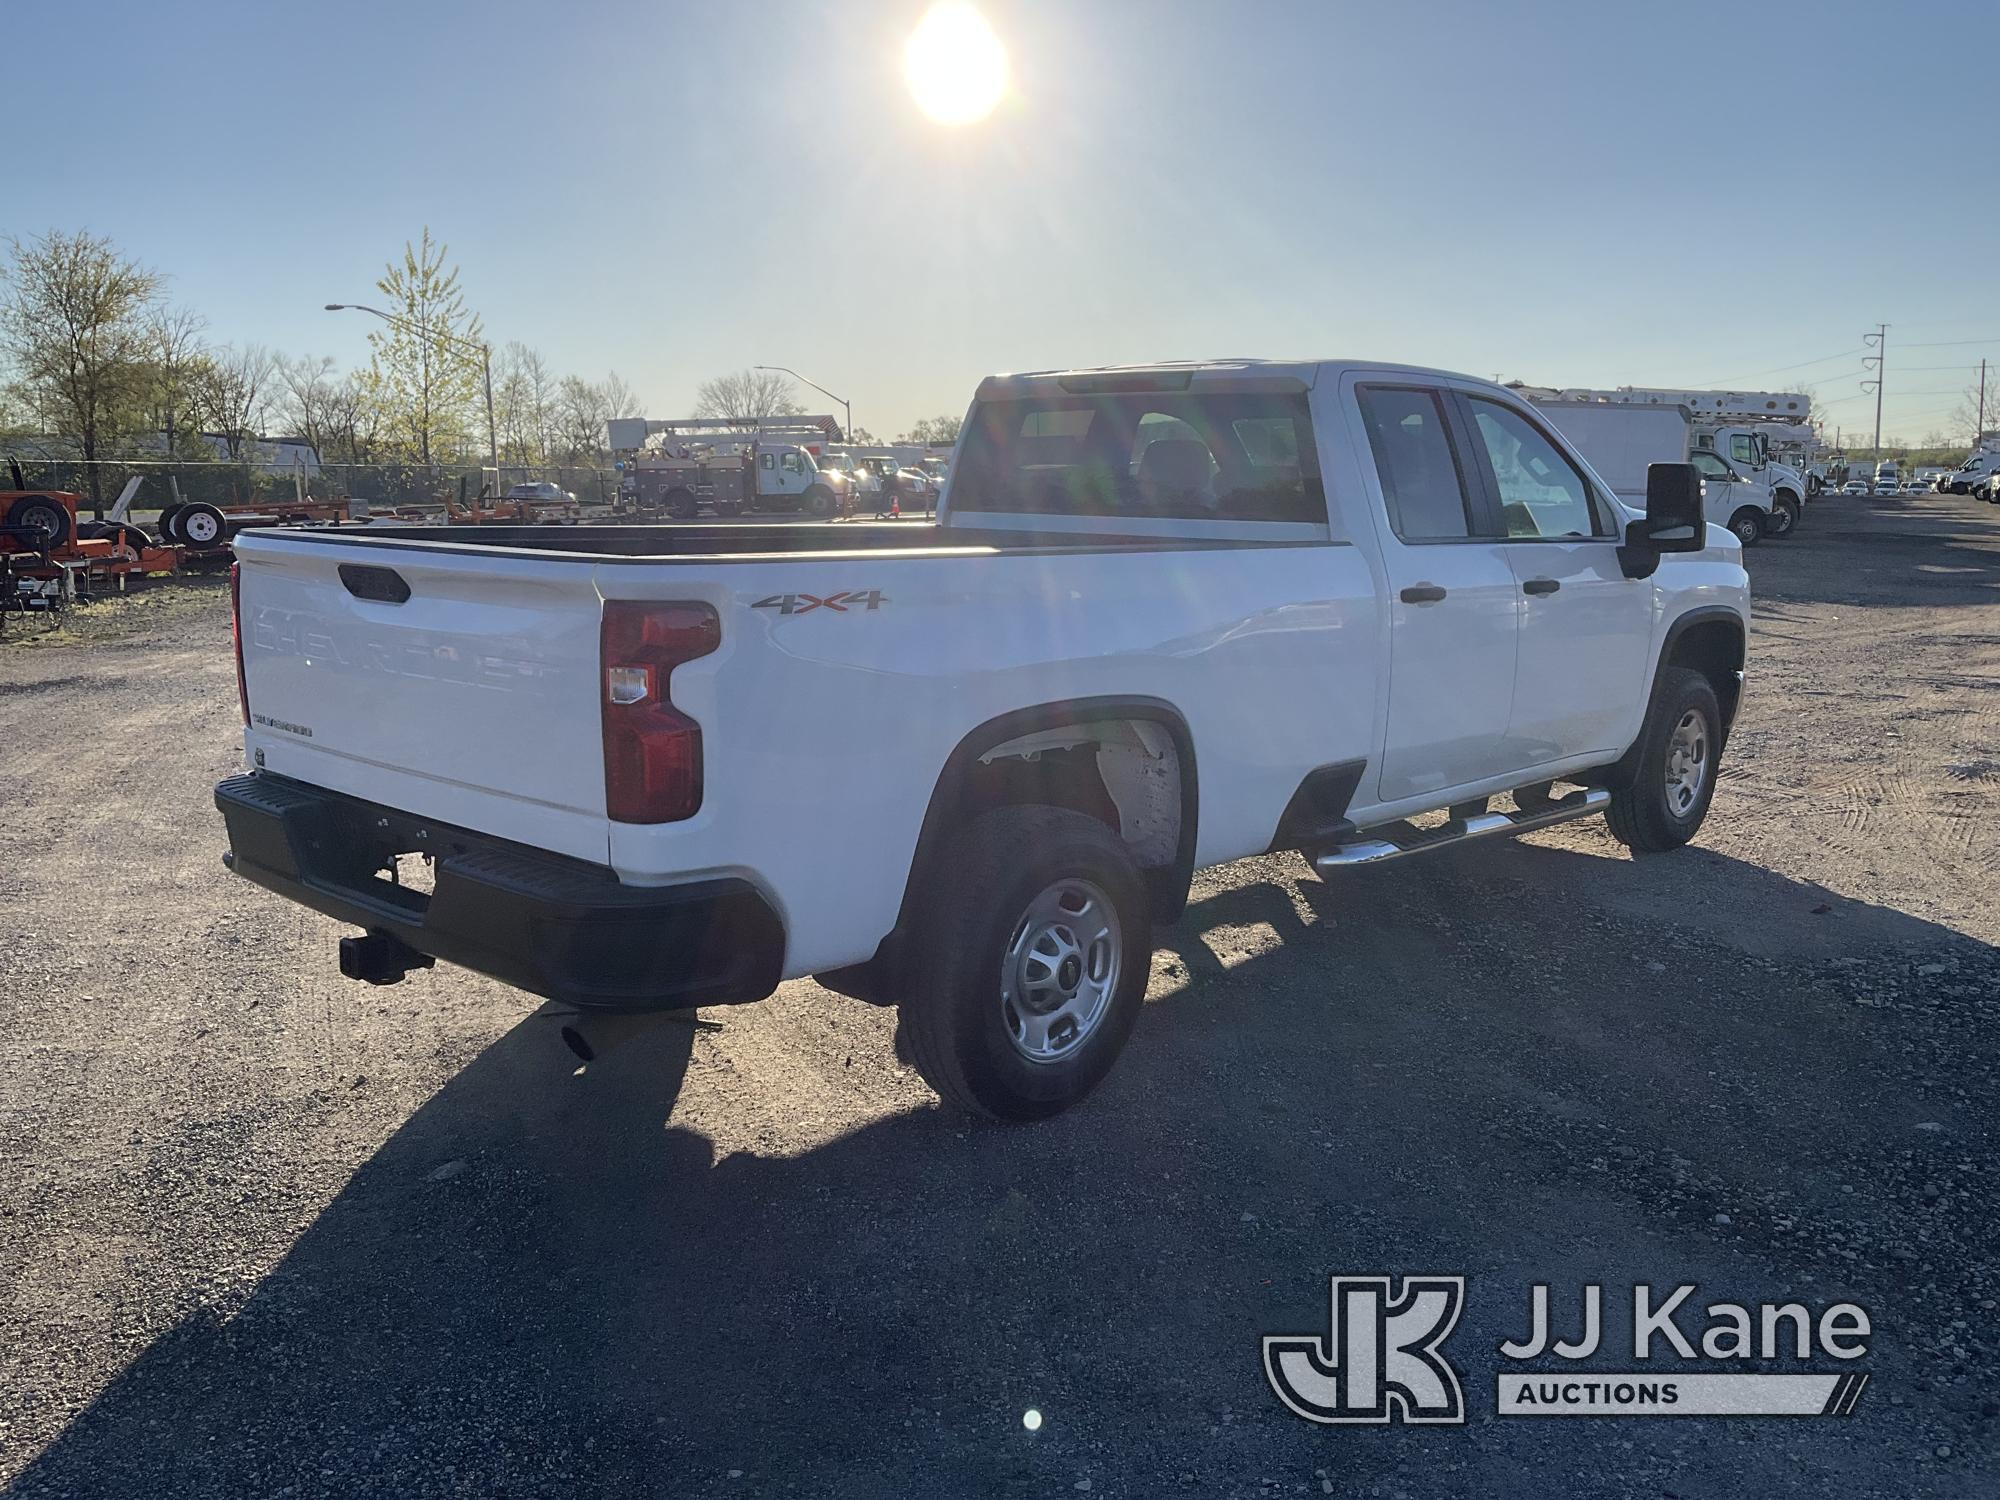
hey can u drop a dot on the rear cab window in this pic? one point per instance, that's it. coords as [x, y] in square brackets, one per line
[1154, 455]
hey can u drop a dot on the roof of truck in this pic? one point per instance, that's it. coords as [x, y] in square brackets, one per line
[1191, 374]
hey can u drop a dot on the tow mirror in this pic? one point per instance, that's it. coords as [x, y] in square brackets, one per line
[1673, 521]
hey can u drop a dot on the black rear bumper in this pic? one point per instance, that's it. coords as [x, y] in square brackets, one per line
[545, 923]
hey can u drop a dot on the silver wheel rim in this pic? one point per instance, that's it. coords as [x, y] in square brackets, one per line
[199, 528]
[1687, 763]
[1746, 530]
[1060, 971]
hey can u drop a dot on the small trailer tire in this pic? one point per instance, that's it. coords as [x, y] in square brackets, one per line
[43, 514]
[199, 525]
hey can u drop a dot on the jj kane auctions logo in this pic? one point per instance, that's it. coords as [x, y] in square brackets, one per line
[1381, 1358]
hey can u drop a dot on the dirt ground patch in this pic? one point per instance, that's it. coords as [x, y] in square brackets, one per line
[267, 1232]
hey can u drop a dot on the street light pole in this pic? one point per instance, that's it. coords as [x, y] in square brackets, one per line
[485, 366]
[846, 409]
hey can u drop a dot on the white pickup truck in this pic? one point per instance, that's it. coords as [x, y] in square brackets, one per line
[1171, 616]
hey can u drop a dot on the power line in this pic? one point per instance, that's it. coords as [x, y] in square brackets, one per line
[1781, 369]
[1954, 343]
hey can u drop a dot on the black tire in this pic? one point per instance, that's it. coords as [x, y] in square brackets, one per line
[200, 525]
[682, 505]
[169, 524]
[1645, 816]
[1784, 516]
[819, 500]
[1748, 524]
[958, 1025]
[41, 513]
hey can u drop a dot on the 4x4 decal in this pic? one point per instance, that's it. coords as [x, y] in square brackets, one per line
[800, 604]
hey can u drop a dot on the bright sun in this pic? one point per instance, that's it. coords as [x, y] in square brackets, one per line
[955, 65]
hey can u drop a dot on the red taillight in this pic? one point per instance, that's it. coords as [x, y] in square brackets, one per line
[236, 634]
[652, 751]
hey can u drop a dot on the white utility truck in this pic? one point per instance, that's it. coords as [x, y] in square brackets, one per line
[1983, 462]
[1621, 443]
[1745, 429]
[1171, 616]
[729, 466]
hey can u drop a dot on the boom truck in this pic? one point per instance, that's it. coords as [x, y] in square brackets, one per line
[1764, 439]
[728, 465]
[1622, 443]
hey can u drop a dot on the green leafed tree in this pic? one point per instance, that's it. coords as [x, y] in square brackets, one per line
[73, 325]
[425, 374]
[935, 432]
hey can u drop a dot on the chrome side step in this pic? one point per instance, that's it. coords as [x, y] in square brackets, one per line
[1372, 851]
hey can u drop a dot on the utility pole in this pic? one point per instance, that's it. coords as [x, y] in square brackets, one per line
[1982, 405]
[1879, 340]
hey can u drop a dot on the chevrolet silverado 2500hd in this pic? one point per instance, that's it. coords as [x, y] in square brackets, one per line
[1171, 616]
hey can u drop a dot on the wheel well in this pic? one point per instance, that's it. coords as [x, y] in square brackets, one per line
[1129, 763]
[1714, 648]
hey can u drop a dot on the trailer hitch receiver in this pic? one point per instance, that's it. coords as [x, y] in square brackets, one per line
[380, 958]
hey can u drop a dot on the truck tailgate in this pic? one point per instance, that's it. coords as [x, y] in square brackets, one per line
[460, 686]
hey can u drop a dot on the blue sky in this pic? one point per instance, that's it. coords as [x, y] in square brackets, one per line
[1588, 194]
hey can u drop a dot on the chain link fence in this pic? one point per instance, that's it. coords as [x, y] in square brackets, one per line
[165, 482]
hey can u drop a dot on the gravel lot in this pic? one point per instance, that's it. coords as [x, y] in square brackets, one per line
[267, 1232]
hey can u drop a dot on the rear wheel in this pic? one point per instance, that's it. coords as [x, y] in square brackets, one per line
[1680, 746]
[1032, 966]
[681, 504]
[43, 515]
[1748, 524]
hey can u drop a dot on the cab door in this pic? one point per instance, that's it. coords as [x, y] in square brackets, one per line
[1585, 627]
[1453, 601]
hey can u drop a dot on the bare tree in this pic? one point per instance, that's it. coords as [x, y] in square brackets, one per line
[74, 325]
[582, 411]
[620, 400]
[178, 355]
[236, 395]
[749, 394]
[524, 400]
[309, 399]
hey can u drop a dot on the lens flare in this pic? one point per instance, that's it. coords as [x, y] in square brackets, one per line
[955, 65]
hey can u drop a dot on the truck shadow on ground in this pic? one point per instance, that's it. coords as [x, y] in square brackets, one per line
[1468, 1065]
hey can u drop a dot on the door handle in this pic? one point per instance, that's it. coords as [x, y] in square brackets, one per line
[1540, 586]
[1422, 593]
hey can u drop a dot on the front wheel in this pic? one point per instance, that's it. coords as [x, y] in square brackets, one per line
[1748, 524]
[1784, 516]
[1032, 964]
[819, 500]
[1681, 744]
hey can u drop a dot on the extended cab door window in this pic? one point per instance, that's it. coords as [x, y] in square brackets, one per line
[1422, 484]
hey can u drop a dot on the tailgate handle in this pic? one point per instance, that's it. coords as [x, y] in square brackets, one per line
[383, 585]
